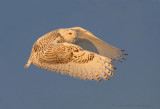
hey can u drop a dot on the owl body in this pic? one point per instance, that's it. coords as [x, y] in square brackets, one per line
[76, 52]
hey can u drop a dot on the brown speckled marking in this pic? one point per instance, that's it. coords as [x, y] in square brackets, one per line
[80, 58]
[91, 76]
[63, 54]
[111, 74]
[47, 40]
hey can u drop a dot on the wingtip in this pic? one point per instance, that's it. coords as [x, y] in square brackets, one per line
[122, 50]
[124, 54]
[112, 59]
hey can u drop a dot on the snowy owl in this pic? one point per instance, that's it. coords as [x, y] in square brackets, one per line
[76, 52]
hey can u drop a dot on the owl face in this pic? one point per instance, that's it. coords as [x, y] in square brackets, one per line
[69, 35]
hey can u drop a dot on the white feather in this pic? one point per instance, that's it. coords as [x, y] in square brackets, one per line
[90, 42]
[70, 51]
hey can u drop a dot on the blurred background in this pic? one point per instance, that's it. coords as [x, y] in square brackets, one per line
[133, 25]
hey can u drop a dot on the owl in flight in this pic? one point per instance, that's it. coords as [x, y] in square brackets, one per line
[76, 52]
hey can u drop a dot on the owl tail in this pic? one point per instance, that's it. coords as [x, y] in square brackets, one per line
[30, 59]
[28, 63]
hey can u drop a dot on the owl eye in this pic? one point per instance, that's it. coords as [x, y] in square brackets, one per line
[70, 33]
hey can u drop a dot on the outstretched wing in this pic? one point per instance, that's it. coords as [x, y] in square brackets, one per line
[90, 42]
[73, 60]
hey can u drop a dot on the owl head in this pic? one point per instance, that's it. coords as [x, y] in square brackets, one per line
[69, 35]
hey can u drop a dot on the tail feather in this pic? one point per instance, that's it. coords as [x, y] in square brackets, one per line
[28, 63]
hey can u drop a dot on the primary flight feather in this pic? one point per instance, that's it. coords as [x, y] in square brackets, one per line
[76, 52]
